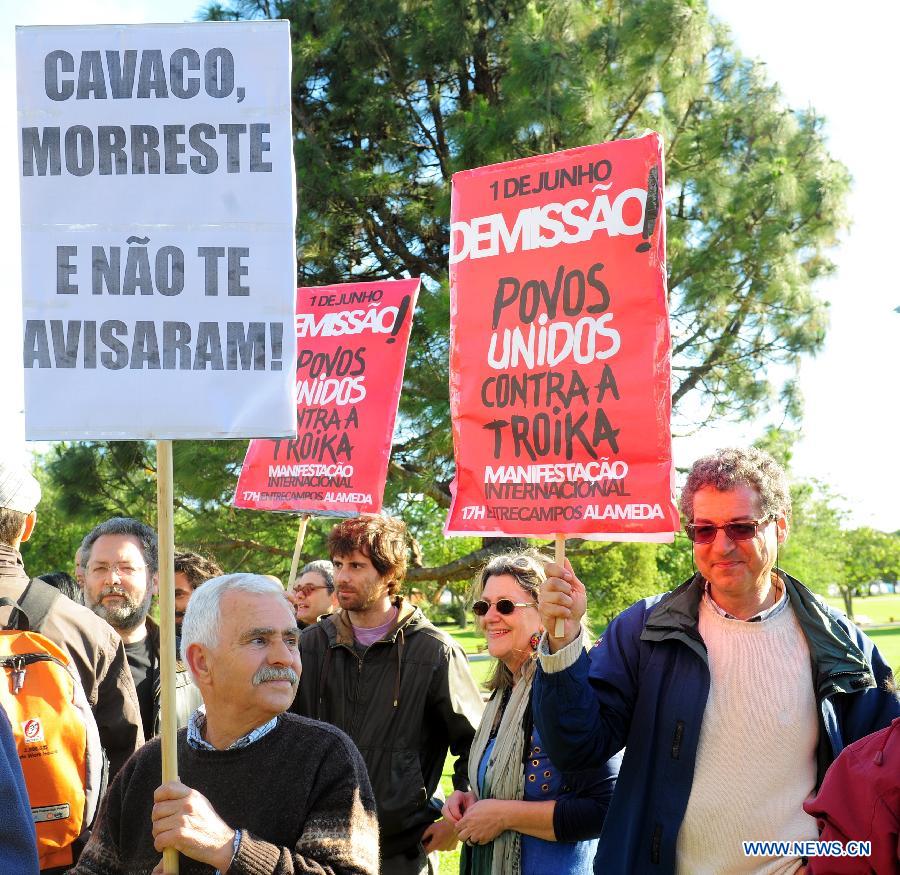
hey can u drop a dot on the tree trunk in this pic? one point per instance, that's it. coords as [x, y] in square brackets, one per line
[459, 611]
[847, 594]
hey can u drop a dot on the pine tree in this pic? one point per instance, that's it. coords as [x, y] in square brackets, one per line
[391, 98]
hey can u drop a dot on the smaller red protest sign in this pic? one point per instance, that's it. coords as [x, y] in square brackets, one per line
[337, 464]
[559, 346]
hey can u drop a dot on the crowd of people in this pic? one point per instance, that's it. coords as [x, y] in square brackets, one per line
[736, 724]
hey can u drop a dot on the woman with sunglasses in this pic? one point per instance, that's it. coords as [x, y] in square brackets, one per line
[523, 817]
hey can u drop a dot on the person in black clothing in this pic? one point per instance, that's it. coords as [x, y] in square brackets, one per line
[64, 583]
[398, 686]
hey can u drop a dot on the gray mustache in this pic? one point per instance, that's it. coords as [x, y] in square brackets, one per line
[275, 674]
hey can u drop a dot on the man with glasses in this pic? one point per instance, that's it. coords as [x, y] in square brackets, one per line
[120, 558]
[399, 687]
[732, 693]
[313, 594]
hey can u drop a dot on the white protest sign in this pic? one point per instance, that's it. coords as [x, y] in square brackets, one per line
[158, 249]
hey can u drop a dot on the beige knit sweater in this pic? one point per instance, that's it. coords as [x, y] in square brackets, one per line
[756, 758]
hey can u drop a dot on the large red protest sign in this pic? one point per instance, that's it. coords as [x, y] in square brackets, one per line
[559, 355]
[351, 349]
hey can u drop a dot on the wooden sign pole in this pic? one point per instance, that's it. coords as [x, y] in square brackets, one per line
[166, 535]
[298, 546]
[559, 557]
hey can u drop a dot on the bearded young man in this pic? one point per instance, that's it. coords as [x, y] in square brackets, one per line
[399, 687]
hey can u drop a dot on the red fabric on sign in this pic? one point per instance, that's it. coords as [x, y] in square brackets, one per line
[559, 356]
[351, 349]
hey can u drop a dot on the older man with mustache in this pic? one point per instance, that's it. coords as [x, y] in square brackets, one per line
[260, 791]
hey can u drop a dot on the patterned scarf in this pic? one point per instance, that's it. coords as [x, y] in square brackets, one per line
[504, 777]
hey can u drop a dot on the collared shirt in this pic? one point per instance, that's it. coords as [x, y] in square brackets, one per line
[197, 725]
[195, 728]
[777, 608]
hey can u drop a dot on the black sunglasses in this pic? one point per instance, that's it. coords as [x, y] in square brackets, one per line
[503, 606]
[705, 533]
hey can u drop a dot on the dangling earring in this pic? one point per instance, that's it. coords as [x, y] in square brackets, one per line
[535, 640]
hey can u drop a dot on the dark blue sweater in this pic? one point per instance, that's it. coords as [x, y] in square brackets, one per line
[18, 844]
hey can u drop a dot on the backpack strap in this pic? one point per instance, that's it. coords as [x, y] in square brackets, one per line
[34, 604]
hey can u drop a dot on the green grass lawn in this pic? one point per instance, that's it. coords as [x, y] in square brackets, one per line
[887, 640]
[879, 609]
[470, 639]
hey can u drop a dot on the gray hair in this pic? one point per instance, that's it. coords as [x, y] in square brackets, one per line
[323, 568]
[121, 525]
[728, 468]
[203, 614]
[526, 567]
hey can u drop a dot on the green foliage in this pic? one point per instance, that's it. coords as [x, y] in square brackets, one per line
[674, 562]
[779, 444]
[390, 99]
[56, 536]
[871, 556]
[816, 548]
[822, 553]
[616, 577]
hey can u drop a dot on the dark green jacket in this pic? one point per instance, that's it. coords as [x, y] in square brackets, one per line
[404, 701]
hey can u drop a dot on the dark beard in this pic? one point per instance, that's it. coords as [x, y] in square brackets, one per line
[124, 617]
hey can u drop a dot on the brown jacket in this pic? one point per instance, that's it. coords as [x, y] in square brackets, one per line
[99, 658]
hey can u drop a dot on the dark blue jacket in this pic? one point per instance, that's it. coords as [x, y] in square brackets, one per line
[644, 687]
[18, 843]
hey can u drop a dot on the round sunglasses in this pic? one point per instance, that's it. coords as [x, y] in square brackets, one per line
[503, 606]
[705, 533]
[309, 589]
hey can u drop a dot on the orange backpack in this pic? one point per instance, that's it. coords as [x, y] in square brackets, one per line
[55, 731]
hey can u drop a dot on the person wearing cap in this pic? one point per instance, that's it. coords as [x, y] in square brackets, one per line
[92, 644]
[732, 694]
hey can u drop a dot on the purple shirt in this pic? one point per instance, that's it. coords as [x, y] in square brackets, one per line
[365, 637]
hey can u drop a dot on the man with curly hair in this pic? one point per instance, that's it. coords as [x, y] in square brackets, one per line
[732, 694]
[399, 687]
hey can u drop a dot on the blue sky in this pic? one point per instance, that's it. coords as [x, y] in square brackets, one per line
[834, 57]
